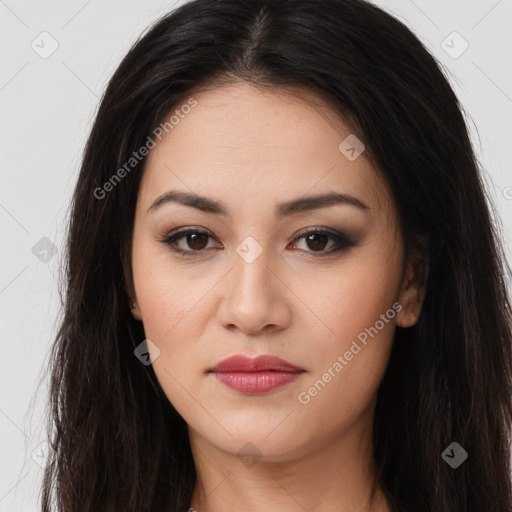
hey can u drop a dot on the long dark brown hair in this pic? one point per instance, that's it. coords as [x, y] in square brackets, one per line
[118, 443]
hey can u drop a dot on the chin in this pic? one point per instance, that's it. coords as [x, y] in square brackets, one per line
[263, 439]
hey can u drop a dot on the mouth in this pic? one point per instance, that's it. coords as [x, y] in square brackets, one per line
[255, 375]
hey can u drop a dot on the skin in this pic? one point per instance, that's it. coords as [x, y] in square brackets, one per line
[252, 150]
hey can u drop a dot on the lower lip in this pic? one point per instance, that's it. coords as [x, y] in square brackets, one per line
[252, 383]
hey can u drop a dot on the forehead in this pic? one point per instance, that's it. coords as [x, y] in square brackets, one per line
[239, 115]
[258, 142]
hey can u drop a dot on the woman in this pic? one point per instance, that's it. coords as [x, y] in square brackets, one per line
[284, 288]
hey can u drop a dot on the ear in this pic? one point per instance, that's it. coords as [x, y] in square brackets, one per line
[413, 288]
[131, 297]
[132, 303]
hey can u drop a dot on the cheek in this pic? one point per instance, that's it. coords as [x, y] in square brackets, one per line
[173, 321]
[352, 297]
[172, 306]
[349, 363]
[171, 309]
[168, 293]
[347, 372]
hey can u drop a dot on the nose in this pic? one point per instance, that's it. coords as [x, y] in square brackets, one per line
[254, 298]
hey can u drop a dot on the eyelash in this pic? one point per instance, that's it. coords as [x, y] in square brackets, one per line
[342, 241]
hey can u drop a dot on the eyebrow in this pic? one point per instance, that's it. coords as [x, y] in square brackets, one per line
[300, 205]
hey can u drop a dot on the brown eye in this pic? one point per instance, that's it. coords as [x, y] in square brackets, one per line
[197, 241]
[317, 241]
[188, 242]
[194, 242]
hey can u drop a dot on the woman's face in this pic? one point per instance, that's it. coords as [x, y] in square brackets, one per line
[255, 281]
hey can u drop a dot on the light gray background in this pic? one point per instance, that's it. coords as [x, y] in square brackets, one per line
[47, 107]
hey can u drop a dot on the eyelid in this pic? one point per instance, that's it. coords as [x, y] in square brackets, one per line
[342, 240]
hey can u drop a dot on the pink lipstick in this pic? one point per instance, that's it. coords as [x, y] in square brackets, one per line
[254, 376]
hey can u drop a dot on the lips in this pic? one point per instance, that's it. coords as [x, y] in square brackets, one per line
[240, 363]
[254, 376]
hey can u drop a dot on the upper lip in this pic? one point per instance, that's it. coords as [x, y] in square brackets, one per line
[241, 363]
